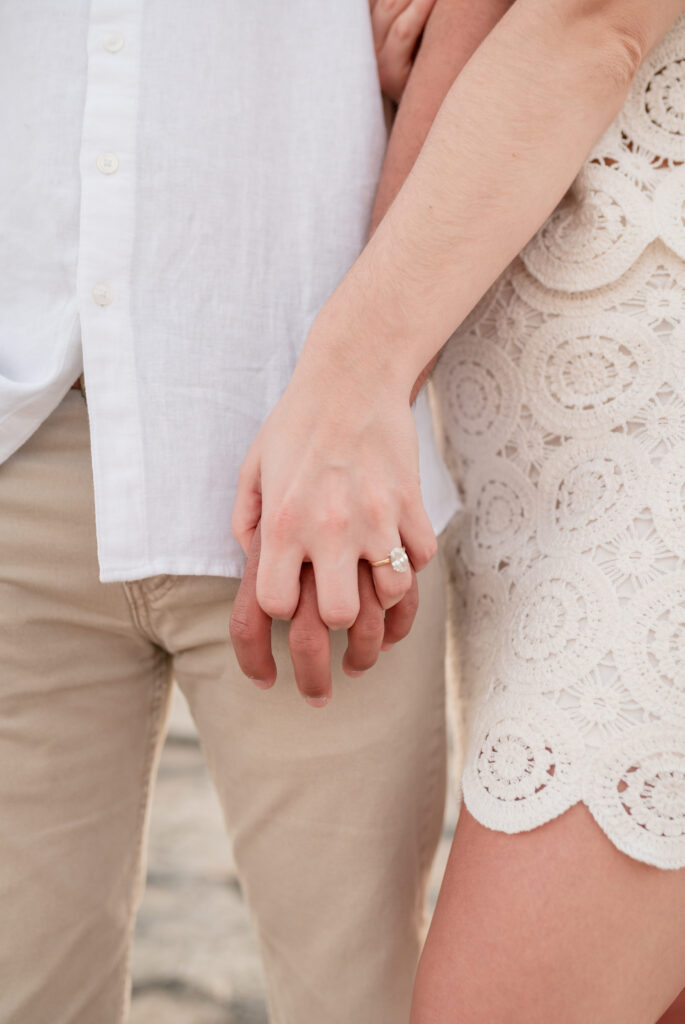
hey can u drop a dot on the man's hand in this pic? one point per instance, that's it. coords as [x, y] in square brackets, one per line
[309, 638]
[397, 26]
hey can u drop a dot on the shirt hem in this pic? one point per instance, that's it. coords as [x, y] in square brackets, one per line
[232, 568]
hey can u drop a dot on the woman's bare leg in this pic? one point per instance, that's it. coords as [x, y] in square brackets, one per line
[554, 924]
[675, 1014]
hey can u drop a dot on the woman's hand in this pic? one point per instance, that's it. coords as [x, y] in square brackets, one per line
[397, 26]
[334, 475]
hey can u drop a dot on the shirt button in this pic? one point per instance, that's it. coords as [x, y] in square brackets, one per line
[107, 163]
[102, 293]
[113, 42]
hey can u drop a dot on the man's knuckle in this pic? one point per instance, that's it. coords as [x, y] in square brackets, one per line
[304, 642]
[240, 628]
[367, 631]
[402, 31]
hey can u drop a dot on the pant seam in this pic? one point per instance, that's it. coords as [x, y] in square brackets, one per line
[140, 613]
[159, 687]
[433, 777]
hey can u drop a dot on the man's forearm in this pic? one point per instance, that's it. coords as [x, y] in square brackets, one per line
[453, 31]
[506, 144]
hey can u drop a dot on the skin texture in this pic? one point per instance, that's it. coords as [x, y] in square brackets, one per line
[310, 648]
[333, 472]
[554, 924]
[453, 32]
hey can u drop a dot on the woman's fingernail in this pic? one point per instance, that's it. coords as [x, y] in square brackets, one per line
[387, 647]
[317, 702]
[352, 672]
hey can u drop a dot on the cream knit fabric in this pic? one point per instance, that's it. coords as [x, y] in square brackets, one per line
[563, 403]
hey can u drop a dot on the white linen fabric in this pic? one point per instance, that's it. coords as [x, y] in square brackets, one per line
[183, 186]
[563, 402]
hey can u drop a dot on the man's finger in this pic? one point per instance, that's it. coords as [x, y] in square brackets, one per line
[247, 508]
[250, 626]
[400, 618]
[310, 644]
[364, 638]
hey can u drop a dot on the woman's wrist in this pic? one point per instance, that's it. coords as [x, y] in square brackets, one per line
[359, 345]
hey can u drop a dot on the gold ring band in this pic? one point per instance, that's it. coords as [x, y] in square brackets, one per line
[398, 559]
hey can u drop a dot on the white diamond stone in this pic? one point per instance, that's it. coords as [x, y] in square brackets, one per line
[399, 560]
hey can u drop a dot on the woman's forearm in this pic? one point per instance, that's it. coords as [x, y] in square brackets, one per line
[452, 33]
[509, 138]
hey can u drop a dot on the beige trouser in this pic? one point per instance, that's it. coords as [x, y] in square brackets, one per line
[334, 813]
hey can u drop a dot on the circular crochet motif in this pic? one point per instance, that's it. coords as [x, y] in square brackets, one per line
[598, 230]
[485, 608]
[562, 620]
[668, 505]
[521, 764]
[589, 491]
[601, 706]
[482, 392]
[507, 319]
[564, 423]
[504, 507]
[652, 652]
[636, 792]
[654, 110]
[669, 210]
[586, 374]
[636, 556]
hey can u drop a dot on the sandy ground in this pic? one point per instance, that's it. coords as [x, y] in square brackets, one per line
[195, 958]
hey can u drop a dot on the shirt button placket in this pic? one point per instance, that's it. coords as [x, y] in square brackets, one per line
[107, 163]
[113, 42]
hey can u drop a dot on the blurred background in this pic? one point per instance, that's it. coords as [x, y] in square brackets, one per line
[195, 958]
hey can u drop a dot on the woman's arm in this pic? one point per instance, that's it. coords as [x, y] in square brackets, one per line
[509, 138]
[334, 470]
[452, 33]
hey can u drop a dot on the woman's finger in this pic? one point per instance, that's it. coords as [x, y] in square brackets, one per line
[365, 636]
[337, 588]
[418, 534]
[280, 565]
[310, 645]
[392, 580]
[400, 618]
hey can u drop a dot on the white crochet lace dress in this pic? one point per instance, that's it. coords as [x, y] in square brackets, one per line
[562, 398]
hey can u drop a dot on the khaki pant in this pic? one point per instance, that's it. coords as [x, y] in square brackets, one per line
[334, 814]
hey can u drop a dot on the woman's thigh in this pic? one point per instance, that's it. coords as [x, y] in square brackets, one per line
[551, 925]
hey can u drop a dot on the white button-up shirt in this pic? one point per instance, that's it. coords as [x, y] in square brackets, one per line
[183, 185]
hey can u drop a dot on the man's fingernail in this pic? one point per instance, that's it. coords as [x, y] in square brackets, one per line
[317, 702]
[353, 673]
[387, 647]
[263, 684]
